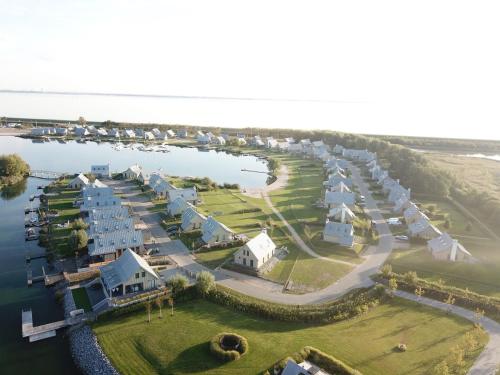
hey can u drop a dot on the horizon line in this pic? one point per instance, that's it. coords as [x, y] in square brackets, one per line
[167, 96]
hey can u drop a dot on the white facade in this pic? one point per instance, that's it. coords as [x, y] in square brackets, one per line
[256, 252]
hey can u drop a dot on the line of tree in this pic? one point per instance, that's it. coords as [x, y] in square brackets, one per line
[12, 169]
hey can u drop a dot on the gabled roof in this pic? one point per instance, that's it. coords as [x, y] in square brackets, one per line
[421, 225]
[341, 187]
[445, 243]
[411, 211]
[178, 204]
[122, 269]
[188, 194]
[337, 212]
[106, 213]
[211, 226]
[337, 197]
[162, 185]
[134, 169]
[109, 242]
[190, 214]
[97, 227]
[344, 233]
[261, 245]
[80, 178]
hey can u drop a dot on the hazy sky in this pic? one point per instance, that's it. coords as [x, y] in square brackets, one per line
[419, 67]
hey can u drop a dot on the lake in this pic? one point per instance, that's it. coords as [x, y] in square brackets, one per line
[17, 355]
[73, 157]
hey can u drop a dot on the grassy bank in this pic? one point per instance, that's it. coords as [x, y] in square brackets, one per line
[179, 343]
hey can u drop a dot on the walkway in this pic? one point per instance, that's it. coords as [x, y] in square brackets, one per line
[488, 360]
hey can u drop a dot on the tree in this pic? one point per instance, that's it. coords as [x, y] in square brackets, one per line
[170, 300]
[79, 224]
[81, 120]
[393, 285]
[450, 300]
[147, 305]
[419, 292]
[78, 240]
[205, 282]
[13, 165]
[441, 369]
[456, 359]
[386, 270]
[447, 224]
[470, 343]
[410, 277]
[478, 314]
[178, 283]
[159, 303]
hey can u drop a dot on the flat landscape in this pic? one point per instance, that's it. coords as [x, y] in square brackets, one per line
[178, 344]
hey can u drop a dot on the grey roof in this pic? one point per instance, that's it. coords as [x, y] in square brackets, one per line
[211, 226]
[422, 225]
[81, 178]
[336, 212]
[188, 194]
[189, 215]
[122, 269]
[261, 245]
[445, 243]
[109, 242]
[335, 179]
[339, 197]
[105, 213]
[110, 225]
[342, 232]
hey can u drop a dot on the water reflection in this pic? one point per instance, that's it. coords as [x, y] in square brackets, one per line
[15, 190]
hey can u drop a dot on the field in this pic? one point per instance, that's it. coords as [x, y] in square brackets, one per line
[81, 299]
[178, 344]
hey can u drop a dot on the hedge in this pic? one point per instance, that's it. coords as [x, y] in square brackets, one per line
[467, 299]
[350, 305]
[328, 363]
[228, 355]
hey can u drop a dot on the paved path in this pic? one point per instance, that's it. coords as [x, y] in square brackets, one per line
[489, 359]
[296, 236]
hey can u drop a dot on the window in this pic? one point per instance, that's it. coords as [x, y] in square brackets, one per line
[143, 274]
[137, 275]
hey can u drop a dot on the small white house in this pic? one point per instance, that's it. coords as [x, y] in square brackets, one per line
[188, 194]
[92, 202]
[219, 141]
[100, 171]
[129, 133]
[79, 182]
[162, 187]
[144, 177]
[102, 132]
[256, 252]
[132, 172]
[446, 248]
[214, 232]
[192, 219]
[128, 274]
[423, 229]
[339, 233]
[149, 136]
[170, 133]
[177, 207]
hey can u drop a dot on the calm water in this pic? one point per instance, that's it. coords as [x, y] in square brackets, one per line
[483, 156]
[73, 157]
[17, 355]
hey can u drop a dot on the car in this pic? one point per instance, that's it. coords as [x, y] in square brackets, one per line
[362, 197]
[401, 238]
[172, 228]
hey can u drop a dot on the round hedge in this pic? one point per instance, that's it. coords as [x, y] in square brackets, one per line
[228, 346]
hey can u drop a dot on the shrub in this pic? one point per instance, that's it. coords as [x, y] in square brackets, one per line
[402, 347]
[227, 355]
[205, 282]
[178, 283]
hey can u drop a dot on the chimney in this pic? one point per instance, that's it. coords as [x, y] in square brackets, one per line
[453, 253]
[342, 215]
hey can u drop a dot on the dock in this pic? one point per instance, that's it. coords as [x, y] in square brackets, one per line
[48, 280]
[253, 171]
[30, 257]
[44, 331]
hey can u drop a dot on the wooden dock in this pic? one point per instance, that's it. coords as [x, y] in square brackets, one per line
[49, 280]
[44, 331]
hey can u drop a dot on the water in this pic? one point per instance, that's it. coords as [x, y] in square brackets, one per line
[483, 156]
[17, 355]
[73, 157]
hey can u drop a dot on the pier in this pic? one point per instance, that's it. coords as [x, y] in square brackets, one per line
[46, 175]
[48, 280]
[44, 331]
[253, 171]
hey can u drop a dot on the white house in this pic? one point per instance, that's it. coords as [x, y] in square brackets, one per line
[156, 132]
[132, 172]
[340, 187]
[271, 143]
[177, 206]
[114, 133]
[139, 133]
[162, 187]
[397, 191]
[341, 214]
[192, 219]
[401, 204]
[81, 132]
[62, 131]
[241, 141]
[214, 232]
[338, 149]
[149, 136]
[256, 252]
[339, 233]
[92, 129]
[129, 133]
[96, 189]
[203, 138]
[446, 248]
[144, 177]
[188, 194]
[100, 171]
[128, 274]
[79, 182]
[219, 140]
[336, 178]
[170, 133]
[110, 245]
[183, 133]
[102, 132]
[412, 214]
[295, 148]
[337, 198]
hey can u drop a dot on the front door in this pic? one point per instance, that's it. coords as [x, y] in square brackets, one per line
[251, 263]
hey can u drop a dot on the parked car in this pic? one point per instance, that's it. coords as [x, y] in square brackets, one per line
[394, 221]
[401, 238]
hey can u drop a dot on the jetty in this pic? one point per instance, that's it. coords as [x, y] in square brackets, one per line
[251, 170]
[46, 175]
[44, 331]
[48, 280]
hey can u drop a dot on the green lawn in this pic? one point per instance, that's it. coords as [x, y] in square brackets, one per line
[81, 299]
[179, 344]
[214, 258]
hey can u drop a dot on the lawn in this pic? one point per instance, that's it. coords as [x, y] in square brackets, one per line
[214, 258]
[81, 299]
[178, 344]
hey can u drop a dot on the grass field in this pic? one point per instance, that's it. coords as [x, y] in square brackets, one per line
[81, 299]
[178, 344]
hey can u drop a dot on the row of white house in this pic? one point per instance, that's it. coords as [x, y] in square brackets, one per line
[441, 245]
[111, 229]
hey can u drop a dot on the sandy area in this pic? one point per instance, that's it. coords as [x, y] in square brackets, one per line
[280, 182]
[9, 131]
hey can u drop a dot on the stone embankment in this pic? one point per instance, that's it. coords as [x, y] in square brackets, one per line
[86, 351]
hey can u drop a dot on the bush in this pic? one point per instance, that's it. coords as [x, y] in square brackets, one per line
[205, 282]
[178, 283]
[227, 355]
[401, 347]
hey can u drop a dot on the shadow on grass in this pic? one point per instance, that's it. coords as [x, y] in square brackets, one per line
[196, 359]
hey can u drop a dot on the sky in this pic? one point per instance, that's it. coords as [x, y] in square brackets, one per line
[386, 67]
